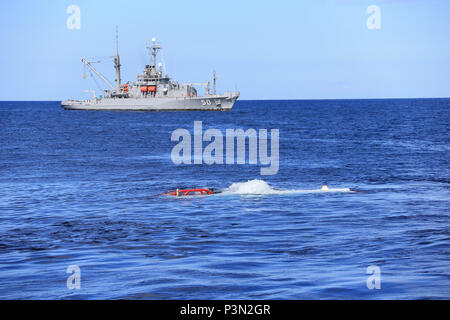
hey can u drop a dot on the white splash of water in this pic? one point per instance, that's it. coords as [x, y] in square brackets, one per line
[260, 187]
[251, 187]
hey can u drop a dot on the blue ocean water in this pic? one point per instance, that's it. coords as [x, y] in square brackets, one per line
[81, 188]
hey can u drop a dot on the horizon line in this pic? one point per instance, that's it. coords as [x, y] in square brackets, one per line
[274, 99]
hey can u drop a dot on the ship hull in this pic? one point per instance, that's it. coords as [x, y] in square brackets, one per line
[208, 103]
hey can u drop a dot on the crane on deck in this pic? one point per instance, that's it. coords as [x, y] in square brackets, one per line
[87, 63]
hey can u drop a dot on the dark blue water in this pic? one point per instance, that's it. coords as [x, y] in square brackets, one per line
[76, 189]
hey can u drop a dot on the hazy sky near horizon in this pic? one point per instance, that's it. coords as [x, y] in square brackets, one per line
[311, 49]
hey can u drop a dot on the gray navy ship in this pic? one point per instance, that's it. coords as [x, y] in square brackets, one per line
[152, 91]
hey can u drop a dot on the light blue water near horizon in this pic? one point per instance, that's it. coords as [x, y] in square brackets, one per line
[77, 188]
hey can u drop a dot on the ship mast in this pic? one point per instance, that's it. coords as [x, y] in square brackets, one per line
[214, 82]
[154, 50]
[117, 61]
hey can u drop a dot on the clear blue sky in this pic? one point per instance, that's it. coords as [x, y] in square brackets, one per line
[311, 49]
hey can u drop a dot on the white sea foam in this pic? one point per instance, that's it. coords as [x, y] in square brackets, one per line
[260, 187]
